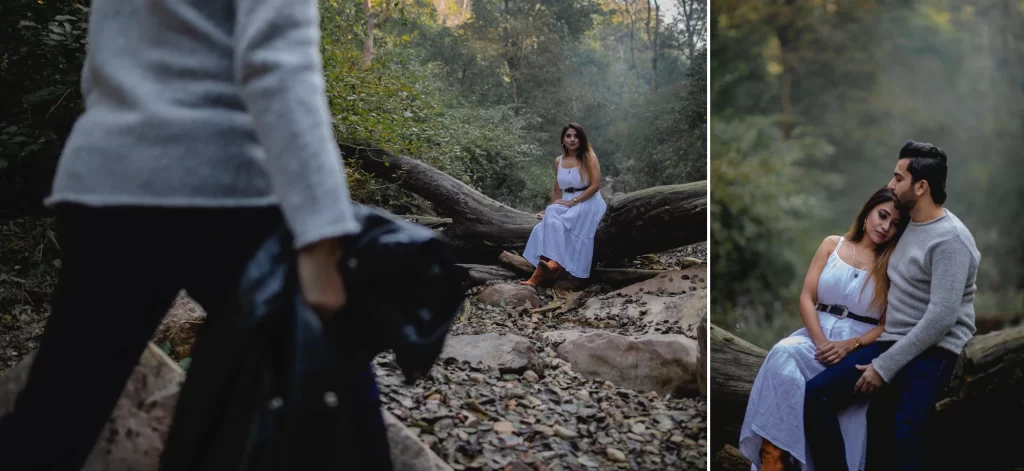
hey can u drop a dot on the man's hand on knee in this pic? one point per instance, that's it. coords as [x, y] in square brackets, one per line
[869, 381]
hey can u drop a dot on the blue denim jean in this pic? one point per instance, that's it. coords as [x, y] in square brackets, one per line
[898, 415]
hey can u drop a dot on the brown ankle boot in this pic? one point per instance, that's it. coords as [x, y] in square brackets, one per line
[771, 457]
[536, 279]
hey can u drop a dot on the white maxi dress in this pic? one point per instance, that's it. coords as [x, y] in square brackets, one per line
[775, 410]
[566, 234]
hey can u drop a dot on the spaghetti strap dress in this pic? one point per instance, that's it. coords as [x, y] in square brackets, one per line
[566, 234]
[775, 410]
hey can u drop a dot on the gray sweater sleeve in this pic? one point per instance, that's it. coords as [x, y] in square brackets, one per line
[279, 69]
[950, 263]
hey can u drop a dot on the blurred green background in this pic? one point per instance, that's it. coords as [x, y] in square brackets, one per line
[810, 104]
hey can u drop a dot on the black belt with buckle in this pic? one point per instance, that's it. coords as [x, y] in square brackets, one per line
[843, 312]
[574, 190]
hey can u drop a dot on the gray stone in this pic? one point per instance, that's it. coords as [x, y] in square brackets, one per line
[512, 295]
[666, 364]
[506, 353]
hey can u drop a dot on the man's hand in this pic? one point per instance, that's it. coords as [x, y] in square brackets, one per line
[869, 381]
[319, 278]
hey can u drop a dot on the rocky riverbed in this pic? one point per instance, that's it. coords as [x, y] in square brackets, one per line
[530, 379]
[542, 379]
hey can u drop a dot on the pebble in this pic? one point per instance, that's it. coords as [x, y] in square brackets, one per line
[616, 455]
[564, 432]
[504, 428]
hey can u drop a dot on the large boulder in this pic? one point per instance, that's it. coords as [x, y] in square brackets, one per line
[505, 353]
[510, 295]
[560, 336]
[407, 451]
[666, 364]
[670, 283]
[134, 437]
[681, 309]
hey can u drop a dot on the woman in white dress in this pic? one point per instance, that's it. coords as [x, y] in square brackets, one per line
[843, 308]
[564, 239]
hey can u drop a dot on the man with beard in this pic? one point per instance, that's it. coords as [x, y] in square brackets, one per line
[929, 319]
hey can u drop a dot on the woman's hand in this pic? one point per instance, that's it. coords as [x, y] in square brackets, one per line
[540, 215]
[832, 352]
[564, 203]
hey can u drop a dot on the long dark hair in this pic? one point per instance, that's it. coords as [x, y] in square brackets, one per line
[882, 251]
[584, 154]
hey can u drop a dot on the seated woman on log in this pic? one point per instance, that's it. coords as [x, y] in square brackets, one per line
[843, 308]
[564, 239]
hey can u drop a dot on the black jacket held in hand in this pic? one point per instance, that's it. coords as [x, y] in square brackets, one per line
[274, 388]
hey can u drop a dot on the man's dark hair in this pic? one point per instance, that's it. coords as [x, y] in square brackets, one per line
[928, 163]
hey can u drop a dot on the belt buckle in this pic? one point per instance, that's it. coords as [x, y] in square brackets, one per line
[846, 311]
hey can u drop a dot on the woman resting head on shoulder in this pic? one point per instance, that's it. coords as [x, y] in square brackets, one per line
[563, 242]
[842, 306]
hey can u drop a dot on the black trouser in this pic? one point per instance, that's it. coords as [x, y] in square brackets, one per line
[897, 417]
[121, 271]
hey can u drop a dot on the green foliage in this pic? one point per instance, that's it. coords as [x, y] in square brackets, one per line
[42, 47]
[870, 75]
[668, 144]
[767, 205]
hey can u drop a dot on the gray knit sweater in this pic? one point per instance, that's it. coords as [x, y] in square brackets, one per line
[931, 295]
[207, 103]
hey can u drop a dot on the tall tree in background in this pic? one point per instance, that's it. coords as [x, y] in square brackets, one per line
[654, 40]
[692, 22]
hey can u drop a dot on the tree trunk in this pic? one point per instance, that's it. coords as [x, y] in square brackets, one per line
[734, 365]
[647, 221]
[368, 40]
[786, 33]
[520, 268]
[510, 59]
[476, 275]
[654, 45]
[630, 10]
[987, 386]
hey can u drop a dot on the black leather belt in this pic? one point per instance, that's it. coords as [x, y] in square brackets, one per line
[574, 190]
[843, 312]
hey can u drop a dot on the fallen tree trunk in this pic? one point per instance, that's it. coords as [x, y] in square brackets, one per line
[476, 275]
[428, 221]
[734, 365]
[647, 221]
[614, 277]
[987, 386]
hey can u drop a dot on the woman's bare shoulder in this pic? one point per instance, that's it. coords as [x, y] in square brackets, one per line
[830, 243]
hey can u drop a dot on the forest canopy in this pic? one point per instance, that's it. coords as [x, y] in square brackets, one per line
[478, 89]
[811, 102]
